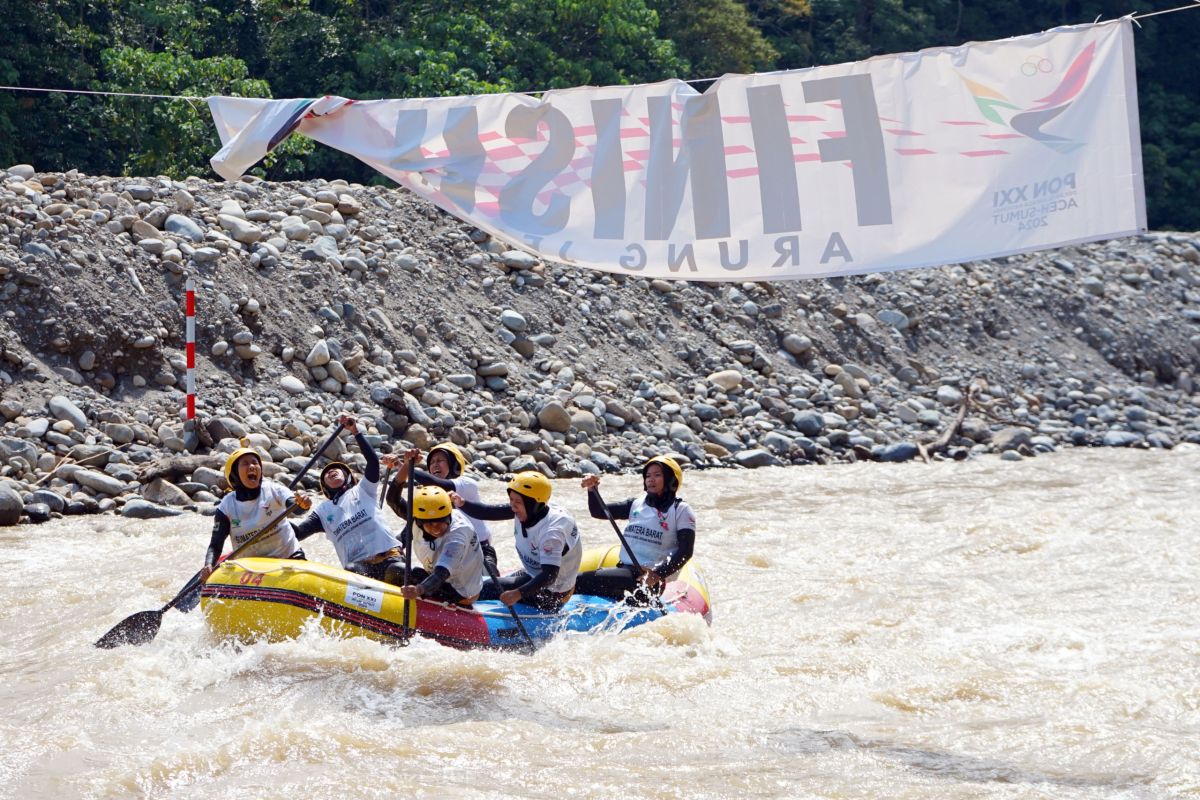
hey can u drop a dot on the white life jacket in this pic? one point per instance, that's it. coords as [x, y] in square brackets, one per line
[653, 534]
[553, 541]
[457, 550]
[248, 517]
[352, 525]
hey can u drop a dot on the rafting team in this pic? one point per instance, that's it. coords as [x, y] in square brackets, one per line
[458, 562]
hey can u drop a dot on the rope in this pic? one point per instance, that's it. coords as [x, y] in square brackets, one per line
[1194, 4]
[189, 98]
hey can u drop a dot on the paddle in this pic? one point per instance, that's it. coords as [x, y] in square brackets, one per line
[632, 558]
[406, 539]
[143, 626]
[494, 574]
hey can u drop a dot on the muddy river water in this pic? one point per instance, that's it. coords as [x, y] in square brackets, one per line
[987, 629]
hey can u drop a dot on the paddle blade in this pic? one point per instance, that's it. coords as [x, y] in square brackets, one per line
[138, 628]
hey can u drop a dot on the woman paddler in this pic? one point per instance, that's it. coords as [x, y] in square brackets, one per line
[547, 543]
[252, 504]
[348, 516]
[661, 532]
[451, 562]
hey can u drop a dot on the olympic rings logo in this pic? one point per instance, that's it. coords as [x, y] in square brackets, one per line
[1035, 64]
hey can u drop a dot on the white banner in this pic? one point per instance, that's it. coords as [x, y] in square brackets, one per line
[936, 157]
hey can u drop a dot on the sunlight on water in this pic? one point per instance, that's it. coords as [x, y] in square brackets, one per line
[987, 629]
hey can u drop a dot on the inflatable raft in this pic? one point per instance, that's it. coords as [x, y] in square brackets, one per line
[269, 598]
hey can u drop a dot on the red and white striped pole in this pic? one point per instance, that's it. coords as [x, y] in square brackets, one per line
[190, 314]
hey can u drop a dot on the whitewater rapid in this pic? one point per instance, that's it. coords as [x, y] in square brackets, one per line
[957, 630]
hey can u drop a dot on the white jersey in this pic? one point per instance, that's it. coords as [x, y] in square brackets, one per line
[352, 525]
[653, 534]
[554, 542]
[468, 489]
[457, 550]
[248, 517]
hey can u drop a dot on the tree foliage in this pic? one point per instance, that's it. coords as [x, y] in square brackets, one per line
[426, 48]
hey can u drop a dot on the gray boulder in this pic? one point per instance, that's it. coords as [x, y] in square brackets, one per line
[142, 509]
[62, 408]
[11, 507]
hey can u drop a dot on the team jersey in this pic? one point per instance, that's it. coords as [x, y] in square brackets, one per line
[654, 534]
[352, 525]
[553, 541]
[248, 517]
[458, 551]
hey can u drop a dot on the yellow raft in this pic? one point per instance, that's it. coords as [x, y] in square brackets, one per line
[269, 598]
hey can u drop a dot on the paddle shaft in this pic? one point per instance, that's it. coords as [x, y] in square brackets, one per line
[407, 538]
[494, 574]
[632, 558]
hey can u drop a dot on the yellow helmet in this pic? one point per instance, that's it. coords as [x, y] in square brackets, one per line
[670, 464]
[453, 451]
[244, 450]
[431, 502]
[533, 485]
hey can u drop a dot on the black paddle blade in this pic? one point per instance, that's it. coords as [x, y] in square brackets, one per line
[138, 628]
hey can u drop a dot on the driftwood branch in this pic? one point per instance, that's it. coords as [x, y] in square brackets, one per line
[969, 400]
[175, 467]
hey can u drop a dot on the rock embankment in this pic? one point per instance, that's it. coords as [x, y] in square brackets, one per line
[320, 298]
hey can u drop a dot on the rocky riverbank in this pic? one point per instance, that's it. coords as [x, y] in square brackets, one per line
[321, 298]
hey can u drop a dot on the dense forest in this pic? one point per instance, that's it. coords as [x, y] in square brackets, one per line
[382, 48]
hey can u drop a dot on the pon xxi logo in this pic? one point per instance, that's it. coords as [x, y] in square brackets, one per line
[1025, 120]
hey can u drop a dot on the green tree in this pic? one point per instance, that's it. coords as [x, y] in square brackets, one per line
[176, 137]
[716, 36]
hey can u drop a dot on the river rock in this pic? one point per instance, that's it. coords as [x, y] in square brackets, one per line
[184, 227]
[796, 344]
[62, 408]
[11, 507]
[756, 458]
[98, 481]
[553, 417]
[318, 356]
[897, 451]
[513, 320]
[18, 448]
[1010, 438]
[52, 500]
[37, 512]
[291, 384]
[143, 509]
[164, 493]
[726, 379]
[1121, 439]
